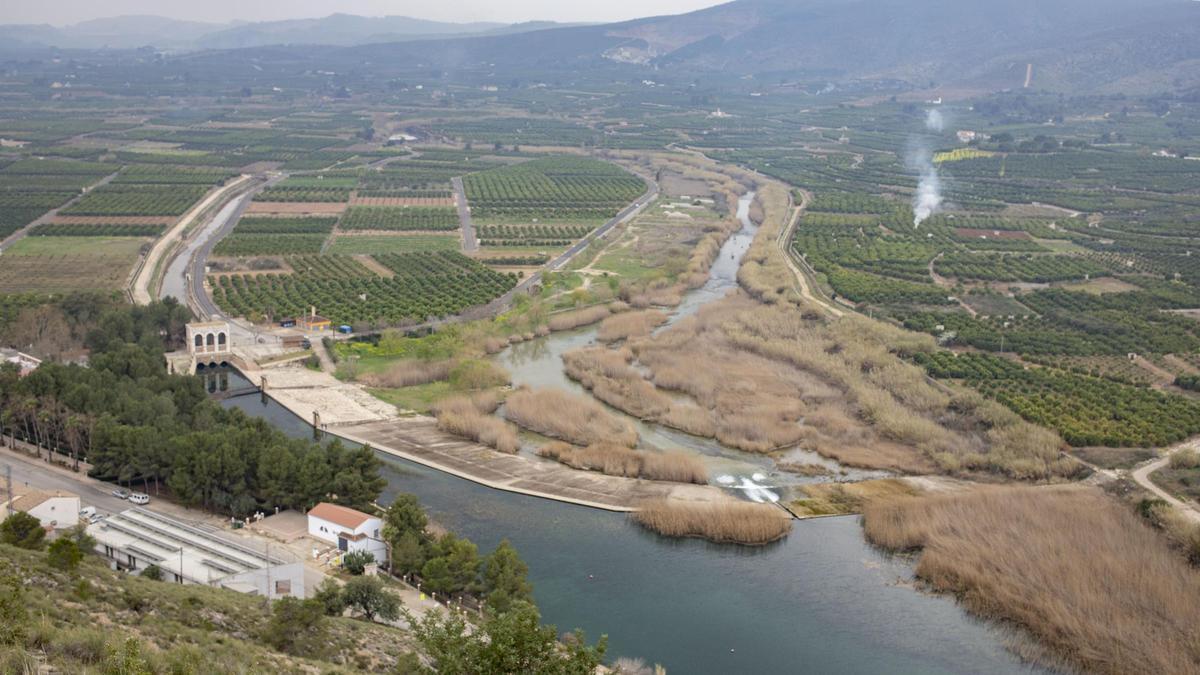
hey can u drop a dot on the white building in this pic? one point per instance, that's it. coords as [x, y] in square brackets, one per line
[138, 538]
[56, 509]
[349, 529]
[25, 363]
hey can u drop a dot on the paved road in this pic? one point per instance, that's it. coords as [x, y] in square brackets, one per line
[29, 472]
[470, 241]
[24, 231]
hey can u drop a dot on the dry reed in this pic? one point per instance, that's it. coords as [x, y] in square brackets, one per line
[408, 373]
[629, 325]
[579, 317]
[1083, 575]
[566, 416]
[470, 417]
[616, 460]
[728, 522]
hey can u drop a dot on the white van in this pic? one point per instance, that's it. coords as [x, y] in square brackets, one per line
[139, 498]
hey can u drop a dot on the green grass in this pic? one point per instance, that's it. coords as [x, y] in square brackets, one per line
[419, 398]
[352, 245]
[116, 247]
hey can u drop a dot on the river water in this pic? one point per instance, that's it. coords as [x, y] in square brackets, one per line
[820, 601]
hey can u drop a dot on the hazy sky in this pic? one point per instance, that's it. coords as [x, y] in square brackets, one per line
[59, 12]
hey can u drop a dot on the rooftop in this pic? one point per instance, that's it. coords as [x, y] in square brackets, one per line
[32, 498]
[339, 515]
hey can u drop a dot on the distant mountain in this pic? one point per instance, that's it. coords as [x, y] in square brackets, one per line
[1114, 45]
[126, 32]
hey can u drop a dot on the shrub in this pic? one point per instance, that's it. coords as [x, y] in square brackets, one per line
[463, 416]
[295, 625]
[367, 596]
[355, 562]
[63, 554]
[569, 417]
[153, 573]
[22, 530]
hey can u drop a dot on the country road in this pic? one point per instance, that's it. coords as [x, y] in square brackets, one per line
[470, 241]
[1141, 476]
[801, 277]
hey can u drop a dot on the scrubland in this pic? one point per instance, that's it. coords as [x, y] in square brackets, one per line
[1095, 586]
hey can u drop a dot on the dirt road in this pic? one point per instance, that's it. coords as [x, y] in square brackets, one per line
[1141, 476]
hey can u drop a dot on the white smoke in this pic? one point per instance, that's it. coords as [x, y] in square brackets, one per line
[934, 120]
[927, 200]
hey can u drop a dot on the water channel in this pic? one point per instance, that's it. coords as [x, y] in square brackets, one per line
[820, 601]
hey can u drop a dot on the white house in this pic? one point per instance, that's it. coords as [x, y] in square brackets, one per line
[53, 508]
[349, 529]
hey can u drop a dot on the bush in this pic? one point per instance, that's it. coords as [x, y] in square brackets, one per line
[355, 562]
[295, 625]
[63, 554]
[153, 573]
[22, 530]
[329, 595]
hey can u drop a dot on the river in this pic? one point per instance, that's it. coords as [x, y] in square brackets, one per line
[820, 601]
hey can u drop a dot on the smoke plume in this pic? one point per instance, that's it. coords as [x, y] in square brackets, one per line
[927, 200]
[934, 121]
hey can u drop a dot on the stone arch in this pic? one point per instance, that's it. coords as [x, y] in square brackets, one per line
[199, 341]
[210, 340]
[222, 342]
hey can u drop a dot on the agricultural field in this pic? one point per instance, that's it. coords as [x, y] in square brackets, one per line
[31, 187]
[423, 285]
[1085, 410]
[557, 189]
[359, 244]
[129, 199]
[410, 218]
[65, 264]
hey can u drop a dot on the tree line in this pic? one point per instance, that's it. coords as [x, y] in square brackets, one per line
[137, 425]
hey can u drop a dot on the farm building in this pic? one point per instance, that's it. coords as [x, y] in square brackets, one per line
[351, 530]
[53, 508]
[138, 538]
[26, 363]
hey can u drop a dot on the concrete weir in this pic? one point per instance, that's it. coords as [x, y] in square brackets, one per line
[350, 413]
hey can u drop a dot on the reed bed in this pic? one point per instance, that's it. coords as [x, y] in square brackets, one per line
[616, 460]
[471, 417]
[568, 417]
[580, 317]
[727, 522]
[408, 373]
[1094, 585]
[629, 325]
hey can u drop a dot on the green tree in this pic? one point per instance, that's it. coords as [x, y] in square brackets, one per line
[513, 642]
[437, 576]
[22, 530]
[368, 597]
[462, 557]
[329, 594]
[80, 536]
[355, 562]
[404, 525]
[409, 553]
[505, 578]
[64, 554]
[153, 573]
[295, 625]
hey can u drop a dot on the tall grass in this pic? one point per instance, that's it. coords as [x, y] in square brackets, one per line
[568, 417]
[616, 460]
[580, 317]
[470, 417]
[1086, 578]
[408, 373]
[630, 324]
[723, 522]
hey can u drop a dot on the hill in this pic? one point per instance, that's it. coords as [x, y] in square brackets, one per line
[1114, 45]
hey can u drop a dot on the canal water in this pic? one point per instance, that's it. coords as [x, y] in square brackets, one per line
[820, 601]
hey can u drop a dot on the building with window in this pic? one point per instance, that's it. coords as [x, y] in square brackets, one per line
[56, 509]
[348, 529]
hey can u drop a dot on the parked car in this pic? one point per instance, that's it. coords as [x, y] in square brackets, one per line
[95, 518]
[139, 498]
[87, 513]
[121, 493]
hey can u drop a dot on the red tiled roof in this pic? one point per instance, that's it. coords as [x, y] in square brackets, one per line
[339, 515]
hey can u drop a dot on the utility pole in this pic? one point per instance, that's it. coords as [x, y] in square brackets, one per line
[267, 595]
[8, 485]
